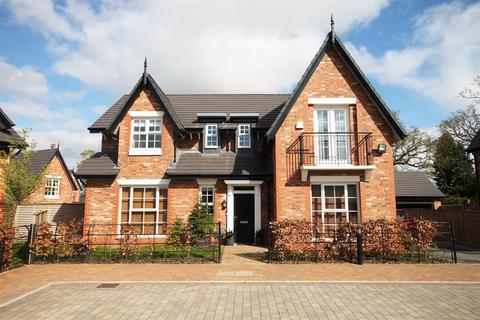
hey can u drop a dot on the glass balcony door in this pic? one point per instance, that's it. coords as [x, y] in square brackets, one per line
[331, 138]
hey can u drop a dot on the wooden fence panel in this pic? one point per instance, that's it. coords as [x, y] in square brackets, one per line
[55, 213]
[466, 223]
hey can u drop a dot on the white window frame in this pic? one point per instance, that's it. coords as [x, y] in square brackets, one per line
[249, 135]
[147, 116]
[346, 210]
[206, 135]
[57, 187]
[332, 145]
[131, 209]
[212, 204]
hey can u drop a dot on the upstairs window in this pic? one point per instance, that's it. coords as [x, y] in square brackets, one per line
[211, 136]
[244, 137]
[146, 138]
[207, 197]
[52, 187]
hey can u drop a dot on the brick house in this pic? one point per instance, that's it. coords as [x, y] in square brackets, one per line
[57, 197]
[322, 153]
[8, 137]
[59, 185]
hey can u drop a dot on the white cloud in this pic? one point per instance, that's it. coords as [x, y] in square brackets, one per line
[441, 58]
[192, 46]
[66, 126]
[23, 81]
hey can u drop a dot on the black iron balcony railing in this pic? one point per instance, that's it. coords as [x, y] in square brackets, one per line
[332, 149]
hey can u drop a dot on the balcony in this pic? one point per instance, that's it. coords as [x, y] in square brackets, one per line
[332, 151]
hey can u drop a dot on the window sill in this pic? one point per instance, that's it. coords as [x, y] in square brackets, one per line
[52, 197]
[145, 152]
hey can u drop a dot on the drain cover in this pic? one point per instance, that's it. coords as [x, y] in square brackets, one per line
[108, 285]
[235, 273]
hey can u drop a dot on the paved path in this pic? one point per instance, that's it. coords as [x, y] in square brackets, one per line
[249, 301]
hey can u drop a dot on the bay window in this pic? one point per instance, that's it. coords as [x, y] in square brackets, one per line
[333, 205]
[145, 209]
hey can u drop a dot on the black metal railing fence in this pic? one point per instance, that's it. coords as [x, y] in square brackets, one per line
[359, 242]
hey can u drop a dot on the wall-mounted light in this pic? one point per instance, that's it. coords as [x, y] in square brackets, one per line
[382, 148]
[299, 125]
[224, 205]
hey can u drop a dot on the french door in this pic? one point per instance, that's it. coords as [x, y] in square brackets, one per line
[331, 136]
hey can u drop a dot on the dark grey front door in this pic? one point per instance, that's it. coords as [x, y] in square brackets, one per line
[244, 218]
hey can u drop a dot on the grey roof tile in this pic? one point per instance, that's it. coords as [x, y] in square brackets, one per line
[7, 133]
[415, 184]
[97, 165]
[39, 159]
[221, 164]
[187, 106]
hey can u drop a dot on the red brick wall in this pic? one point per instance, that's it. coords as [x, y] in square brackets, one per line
[333, 79]
[2, 188]
[67, 193]
[101, 202]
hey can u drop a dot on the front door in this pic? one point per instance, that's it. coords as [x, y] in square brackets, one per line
[244, 211]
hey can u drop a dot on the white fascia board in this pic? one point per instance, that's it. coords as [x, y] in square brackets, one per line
[332, 101]
[143, 182]
[243, 182]
[145, 114]
[334, 179]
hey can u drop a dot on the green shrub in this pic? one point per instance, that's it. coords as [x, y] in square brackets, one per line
[202, 223]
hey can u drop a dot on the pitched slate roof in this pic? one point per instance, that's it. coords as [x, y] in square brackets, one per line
[40, 159]
[415, 184]
[109, 120]
[334, 42]
[187, 106]
[7, 133]
[100, 164]
[220, 164]
[475, 143]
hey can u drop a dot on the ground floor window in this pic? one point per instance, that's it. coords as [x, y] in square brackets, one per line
[334, 204]
[207, 197]
[144, 209]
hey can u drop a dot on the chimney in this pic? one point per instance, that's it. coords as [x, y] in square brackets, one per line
[53, 146]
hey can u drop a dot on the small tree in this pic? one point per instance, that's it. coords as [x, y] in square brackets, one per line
[453, 170]
[201, 222]
[19, 181]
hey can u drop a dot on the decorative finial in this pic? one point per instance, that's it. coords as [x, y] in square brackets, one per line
[332, 28]
[145, 71]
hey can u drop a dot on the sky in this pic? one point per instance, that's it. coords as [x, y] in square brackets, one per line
[63, 63]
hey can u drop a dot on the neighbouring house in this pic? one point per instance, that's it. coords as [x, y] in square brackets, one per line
[321, 153]
[8, 138]
[474, 149]
[57, 198]
[414, 189]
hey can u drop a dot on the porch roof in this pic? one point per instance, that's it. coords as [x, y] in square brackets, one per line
[221, 164]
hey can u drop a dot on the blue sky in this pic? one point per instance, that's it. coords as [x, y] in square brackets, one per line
[62, 63]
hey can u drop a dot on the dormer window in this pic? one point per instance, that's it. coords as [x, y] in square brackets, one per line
[244, 137]
[211, 136]
[146, 133]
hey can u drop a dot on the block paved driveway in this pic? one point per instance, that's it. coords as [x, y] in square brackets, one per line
[249, 301]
